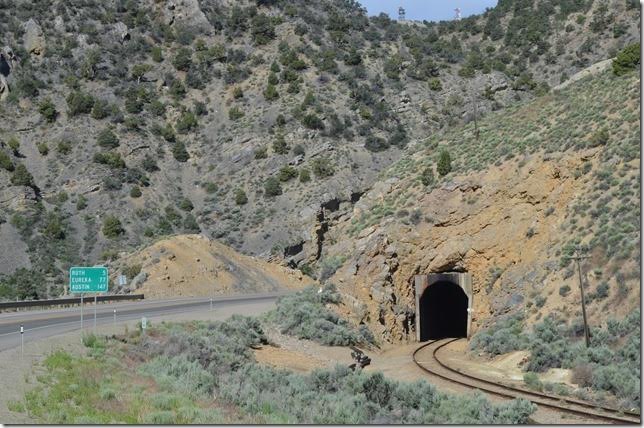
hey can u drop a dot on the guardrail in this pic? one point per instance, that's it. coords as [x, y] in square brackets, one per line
[68, 301]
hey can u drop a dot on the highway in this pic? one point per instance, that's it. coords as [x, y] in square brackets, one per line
[40, 324]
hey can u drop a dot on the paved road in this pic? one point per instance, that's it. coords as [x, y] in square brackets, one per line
[46, 323]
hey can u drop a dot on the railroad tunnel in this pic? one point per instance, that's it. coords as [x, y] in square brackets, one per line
[443, 305]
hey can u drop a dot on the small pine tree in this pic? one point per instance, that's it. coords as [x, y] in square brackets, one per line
[444, 163]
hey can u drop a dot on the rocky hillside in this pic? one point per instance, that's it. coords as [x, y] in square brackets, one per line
[253, 122]
[508, 205]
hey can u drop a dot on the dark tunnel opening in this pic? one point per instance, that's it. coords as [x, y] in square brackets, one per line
[443, 311]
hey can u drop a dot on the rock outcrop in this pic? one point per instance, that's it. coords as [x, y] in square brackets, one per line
[34, 39]
[494, 225]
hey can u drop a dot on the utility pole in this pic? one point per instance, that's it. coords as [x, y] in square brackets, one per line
[577, 256]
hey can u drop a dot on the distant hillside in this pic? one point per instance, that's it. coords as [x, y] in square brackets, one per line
[247, 121]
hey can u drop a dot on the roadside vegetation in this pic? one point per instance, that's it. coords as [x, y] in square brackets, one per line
[205, 372]
[607, 372]
[307, 314]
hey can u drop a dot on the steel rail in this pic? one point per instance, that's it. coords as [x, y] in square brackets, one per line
[627, 418]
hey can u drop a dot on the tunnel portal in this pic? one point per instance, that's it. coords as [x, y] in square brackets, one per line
[443, 305]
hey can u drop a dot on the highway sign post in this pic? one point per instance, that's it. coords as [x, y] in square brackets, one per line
[88, 280]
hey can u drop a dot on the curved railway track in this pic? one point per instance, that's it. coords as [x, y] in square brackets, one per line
[438, 368]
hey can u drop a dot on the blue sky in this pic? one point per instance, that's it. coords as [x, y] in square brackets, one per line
[431, 10]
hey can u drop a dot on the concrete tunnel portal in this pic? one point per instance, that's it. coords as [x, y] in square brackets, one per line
[443, 305]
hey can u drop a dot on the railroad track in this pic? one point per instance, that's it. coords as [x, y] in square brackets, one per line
[438, 368]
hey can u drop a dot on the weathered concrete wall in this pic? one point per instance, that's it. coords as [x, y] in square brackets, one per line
[462, 279]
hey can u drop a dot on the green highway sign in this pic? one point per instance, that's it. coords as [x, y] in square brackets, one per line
[88, 279]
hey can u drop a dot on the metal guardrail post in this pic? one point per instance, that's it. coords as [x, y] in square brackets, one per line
[22, 341]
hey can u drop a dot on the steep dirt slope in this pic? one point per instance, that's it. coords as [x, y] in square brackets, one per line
[192, 265]
[538, 181]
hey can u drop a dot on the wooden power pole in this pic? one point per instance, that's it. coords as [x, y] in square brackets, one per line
[577, 256]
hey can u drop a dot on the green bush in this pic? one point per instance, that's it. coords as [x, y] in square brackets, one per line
[599, 138]
[106, 138]
[135, 192]
[272, 187]
[305, 175]
[157, 54]
[112, 227]
[305, 315]
[186, 122]
[111, 159]
[210, 187]
[132, 270]
[5, 161]
[190, 224]
[262, 29]
[235, 113]
[279, 145]
[444, 165]
[81, 203]
[427, 176]
[238, 92]
[22, 177]
[435, 84]
[312, 121]
[533, 381]
[506, 335]
[14, 145]
[627, 59]
[139, 71]
[270, 93]
[240, 197]
[186, 204]
[287, 173]
[79, 103]
[183, 59]
[261, 153]
[564, 290]
[329, 265]
[43, 149]
[179, 152]
[322, 167]
[101, 109]
[48, 110]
